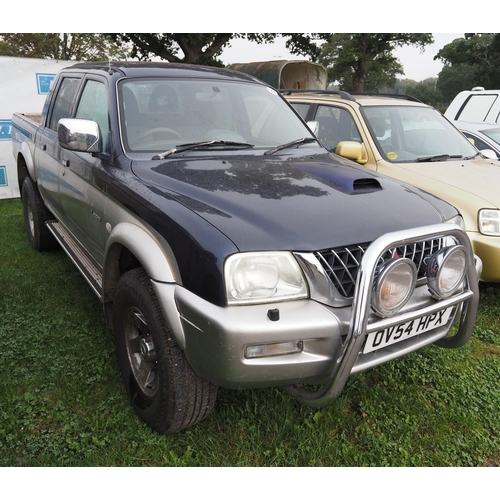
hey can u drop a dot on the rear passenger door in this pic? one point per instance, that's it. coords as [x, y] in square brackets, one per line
[48, 153]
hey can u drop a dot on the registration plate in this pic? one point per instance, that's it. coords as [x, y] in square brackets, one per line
[397, 333]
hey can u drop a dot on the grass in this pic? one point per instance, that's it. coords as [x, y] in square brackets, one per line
[63, 402]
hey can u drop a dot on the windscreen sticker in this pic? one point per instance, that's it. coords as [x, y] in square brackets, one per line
[392, 155]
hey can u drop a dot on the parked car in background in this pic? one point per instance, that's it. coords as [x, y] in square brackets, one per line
[483, 135]
[410, 141]
[476, 105]
[476, 114]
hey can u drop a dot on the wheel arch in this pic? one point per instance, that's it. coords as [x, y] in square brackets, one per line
[25, 165]
[131, 246]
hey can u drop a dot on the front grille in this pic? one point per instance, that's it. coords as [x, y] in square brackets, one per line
[341, 264]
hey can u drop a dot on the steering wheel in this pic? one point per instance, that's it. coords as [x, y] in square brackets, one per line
[153, 131]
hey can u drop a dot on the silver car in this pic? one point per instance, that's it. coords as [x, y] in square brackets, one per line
[485, 136]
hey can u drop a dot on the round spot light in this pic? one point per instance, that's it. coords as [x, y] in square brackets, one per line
[446, 271]
[394, 284]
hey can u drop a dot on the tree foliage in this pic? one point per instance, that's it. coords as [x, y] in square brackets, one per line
[206, 48]
[473, 60]
[454, 79]
[37, 45]
[62, 46]
[365, 61]
[426, 92]
[192, 48]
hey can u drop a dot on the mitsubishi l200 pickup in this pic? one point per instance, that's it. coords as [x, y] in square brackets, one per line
[227, 246]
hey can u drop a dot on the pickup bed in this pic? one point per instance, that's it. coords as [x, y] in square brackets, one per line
[228, 248]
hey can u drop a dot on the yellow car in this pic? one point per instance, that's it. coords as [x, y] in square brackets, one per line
[413, 142]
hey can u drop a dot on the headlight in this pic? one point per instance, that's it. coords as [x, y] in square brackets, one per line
[263, 277]
[394, 284]
[446, 271]
[489, 222]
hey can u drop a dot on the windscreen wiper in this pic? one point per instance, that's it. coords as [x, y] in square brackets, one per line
[303, 140]
[473, 156]
[438, 158]
[203, 144]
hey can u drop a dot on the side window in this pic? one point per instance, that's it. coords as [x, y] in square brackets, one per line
[335, 125]
[301, 109]
[64, 101]
[93, 105]
[476, 108]
[477, 141]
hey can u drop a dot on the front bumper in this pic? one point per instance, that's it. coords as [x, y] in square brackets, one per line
[488, 249]
[215, 338]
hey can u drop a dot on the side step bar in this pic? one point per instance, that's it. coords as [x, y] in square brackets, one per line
[85, 265]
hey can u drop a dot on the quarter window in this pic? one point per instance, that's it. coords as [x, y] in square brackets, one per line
[301, 109]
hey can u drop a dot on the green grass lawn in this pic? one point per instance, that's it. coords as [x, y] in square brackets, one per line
[62, 402]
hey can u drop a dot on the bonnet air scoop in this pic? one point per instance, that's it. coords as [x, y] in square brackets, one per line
[345, 178]
[366, 185]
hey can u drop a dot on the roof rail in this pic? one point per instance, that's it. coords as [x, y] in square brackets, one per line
[341, 93]
[394, 96]
[349, 96]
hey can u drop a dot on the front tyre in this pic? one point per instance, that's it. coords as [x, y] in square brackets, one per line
[35, 216]
[163, 388]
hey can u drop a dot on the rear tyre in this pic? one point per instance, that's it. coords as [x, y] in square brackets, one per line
[163, 388]
[35, 217]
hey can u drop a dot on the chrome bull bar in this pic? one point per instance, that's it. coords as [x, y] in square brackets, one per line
[358, 324]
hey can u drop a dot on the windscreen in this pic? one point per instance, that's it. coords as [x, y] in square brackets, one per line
[413, 133]
[158, 114]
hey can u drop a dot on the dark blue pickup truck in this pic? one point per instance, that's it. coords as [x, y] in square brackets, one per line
[228, 248]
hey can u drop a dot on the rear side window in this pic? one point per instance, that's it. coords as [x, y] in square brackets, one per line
[476, 108]
[64, 101]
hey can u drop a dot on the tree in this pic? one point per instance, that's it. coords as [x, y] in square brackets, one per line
[206, 48]
[193, 48]
[365, 61]
[470, 61]
[62, 46]
[426, 92]
[454, 79]
[38, 45]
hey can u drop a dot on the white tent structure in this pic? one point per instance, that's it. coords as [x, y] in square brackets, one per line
[24, 84]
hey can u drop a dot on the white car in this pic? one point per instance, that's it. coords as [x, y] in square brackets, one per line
[476, 106]
[484, 136]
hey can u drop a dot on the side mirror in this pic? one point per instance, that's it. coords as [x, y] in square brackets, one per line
[489, 153]
[79, 135]
[314, 127]
[352, 150]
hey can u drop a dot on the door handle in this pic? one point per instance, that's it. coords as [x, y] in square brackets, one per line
[65, 163]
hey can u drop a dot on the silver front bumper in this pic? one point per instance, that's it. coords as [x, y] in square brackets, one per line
[215, 338]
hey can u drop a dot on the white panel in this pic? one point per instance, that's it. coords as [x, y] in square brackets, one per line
[24, 83]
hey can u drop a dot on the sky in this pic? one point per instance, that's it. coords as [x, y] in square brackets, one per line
[417, 65]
